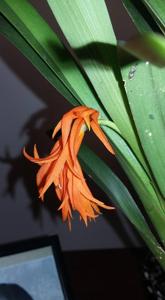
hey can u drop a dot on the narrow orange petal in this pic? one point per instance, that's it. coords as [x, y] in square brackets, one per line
[66, 210]
[95, 207]
[58, 192]
[41, 175]
[75, 193]
[97, 130]
[86, 116]
[72, 168]
[79, 109]
[65, 181]
[84, 186]
[78, 141]
[85, 191]
[56, 129]
[36, 155]
[88, 207]
[55, 170]
[49, 158]
[87, 121]
[98, 202]
[70, 188]
[60, 163]
[48, 179]
[73, 137]
[66, 123]
[57, 146]
[79, 196]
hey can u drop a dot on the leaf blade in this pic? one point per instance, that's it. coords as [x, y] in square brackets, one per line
[28, 23]
[157, 10]
[146, 99]
[140, 180]
[121, 197]
[87, 27]
[17, 40]
[136, 16]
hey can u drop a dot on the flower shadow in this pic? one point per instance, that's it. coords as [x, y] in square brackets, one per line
[36, 129]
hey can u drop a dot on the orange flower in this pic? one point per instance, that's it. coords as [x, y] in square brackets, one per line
[61, 167]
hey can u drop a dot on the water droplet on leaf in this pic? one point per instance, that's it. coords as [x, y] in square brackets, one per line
[132, 72]
[148, 132]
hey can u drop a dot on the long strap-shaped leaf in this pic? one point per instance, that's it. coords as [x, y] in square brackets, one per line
[8, 30]
[114, 188]
[157, 9]
[18, 44]
[137, 18]
[147, 46]
[88, 29]
[27, 50]
[146, 93]
[46, 44]
[18, 41]
[140, 180]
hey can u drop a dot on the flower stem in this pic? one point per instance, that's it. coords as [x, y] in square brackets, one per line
[109, 124]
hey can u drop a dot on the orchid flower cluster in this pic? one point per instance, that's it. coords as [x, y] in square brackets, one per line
[62, 168]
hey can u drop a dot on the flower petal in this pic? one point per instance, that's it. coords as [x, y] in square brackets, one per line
[66, 123]
[97, 130]
[56, 129]
[73, 136]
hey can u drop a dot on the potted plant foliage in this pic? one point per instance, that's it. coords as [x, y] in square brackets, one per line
[117, 89]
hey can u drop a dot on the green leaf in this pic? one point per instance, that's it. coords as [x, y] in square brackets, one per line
[146, 15]
[149, 47]
[17, 40]
[46, 44]
[88, 29]
[35, 41]
[157, 9]
[140, 180]
[145, 86]
[56, 64]
[137, 16]
[145, 90]
[115, 189]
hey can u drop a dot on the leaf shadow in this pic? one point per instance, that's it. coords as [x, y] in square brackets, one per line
[109, 57]
[105, 54]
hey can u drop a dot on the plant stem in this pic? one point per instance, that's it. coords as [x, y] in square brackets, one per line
[109, 124]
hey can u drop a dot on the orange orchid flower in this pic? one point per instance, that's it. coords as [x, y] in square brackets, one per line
[61, 167]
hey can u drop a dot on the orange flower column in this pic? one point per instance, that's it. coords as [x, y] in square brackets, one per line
[62, 167]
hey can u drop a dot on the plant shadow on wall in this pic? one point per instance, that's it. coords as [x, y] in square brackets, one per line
[37, 129]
